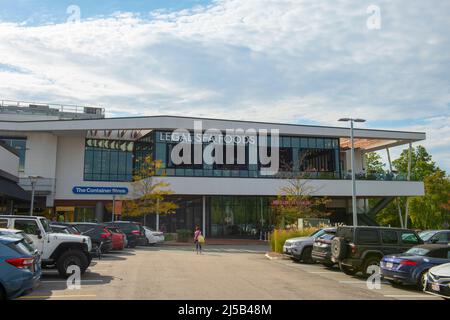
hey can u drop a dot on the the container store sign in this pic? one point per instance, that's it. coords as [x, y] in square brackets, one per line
[100, 190]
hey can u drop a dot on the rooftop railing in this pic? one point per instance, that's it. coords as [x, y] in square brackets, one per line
[26, 106]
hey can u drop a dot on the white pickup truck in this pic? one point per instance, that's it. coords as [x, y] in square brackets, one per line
[57, 249]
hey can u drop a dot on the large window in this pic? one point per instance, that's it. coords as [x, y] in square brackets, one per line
[20, 145]
[306, 154]
[108, 160]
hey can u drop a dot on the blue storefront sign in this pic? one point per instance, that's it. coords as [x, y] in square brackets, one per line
[100, 190]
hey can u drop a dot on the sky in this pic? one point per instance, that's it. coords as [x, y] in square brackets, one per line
[294, 61]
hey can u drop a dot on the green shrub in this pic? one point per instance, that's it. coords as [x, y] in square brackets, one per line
[183, 235]
[170, 236]
[279, 236]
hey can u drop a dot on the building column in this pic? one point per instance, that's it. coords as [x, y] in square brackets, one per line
[99, 211]
[204, 215]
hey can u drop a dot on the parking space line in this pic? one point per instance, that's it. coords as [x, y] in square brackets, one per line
[65, 281]
[407, 296]
[60, 296]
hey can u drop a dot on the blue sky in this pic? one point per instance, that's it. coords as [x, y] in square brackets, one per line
[297, 61]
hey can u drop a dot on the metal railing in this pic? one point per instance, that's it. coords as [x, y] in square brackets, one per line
[50, 107]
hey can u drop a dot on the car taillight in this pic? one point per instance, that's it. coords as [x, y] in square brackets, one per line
[106, 234]
[408, 263]
[21, 263]
[136, 232]
[353, 248]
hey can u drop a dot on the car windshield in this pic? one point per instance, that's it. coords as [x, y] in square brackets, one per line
[45, 224]
[426, 235]
[318, 233]
[417, 252]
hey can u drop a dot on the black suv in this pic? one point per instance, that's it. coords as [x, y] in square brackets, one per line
[358, 248]
[100, 236]
[133, 230]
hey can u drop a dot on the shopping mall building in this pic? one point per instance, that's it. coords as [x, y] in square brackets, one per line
[79, 158]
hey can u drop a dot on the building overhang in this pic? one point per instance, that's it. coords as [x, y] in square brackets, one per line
[366, 139]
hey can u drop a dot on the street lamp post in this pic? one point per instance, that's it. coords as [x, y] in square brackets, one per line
[352, 159]
[33, 180]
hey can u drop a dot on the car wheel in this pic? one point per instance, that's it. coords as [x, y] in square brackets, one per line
[306, 255]
[370, 262]
[422, 280]
[347, 270]
[147, 243]
[70, 258]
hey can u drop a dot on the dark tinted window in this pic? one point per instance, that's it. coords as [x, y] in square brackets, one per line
[127, 226]
[3, 223]
[441, 237]
[27, 226]
[368, 237]
[410, 238]
[389, 237]
[87, 227]
[346, 233]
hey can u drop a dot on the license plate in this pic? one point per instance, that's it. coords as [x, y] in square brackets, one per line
[389, 265]
[435, 287]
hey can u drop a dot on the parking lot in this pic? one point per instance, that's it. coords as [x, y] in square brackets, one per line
[221, 272]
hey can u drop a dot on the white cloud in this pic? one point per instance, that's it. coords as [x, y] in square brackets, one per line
[288, 60]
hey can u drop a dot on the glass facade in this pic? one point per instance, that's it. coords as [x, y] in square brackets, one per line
[20, 145]
[115, 160]
[318, 157]
[242, 217]
[108, 160]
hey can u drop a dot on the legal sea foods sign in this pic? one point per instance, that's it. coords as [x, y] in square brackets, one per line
[100, 190]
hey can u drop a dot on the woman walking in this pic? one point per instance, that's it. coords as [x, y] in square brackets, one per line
[198, 239]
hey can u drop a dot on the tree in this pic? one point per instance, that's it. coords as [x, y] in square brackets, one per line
[295, 201]
[374, 164]
[150, 191]
[431, 211]
[423, 168]
[422, 164]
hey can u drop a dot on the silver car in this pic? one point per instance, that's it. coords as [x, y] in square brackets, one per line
[300, 248]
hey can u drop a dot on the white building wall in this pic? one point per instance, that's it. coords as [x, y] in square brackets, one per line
[70, 171]
[359, 161]
[40, 156]
[9, 162]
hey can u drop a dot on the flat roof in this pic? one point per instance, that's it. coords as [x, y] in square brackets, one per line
[381, 138]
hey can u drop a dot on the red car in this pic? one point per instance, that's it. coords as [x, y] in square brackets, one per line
[118, 238]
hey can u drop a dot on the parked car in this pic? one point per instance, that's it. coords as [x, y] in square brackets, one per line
[118, 237]
[133, 230]
[152, 236]
[438, 281]
[300, 248]
[321, 251]
[57, 250]
[412, 266]
[70, 227]
[20, 267]
[357, 249]
[101, 237]
[60, 229]
[18, 233]
[435, 236]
